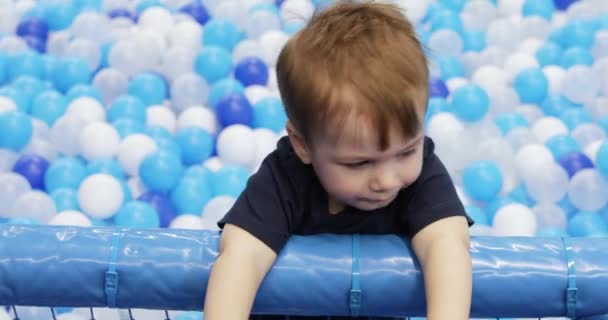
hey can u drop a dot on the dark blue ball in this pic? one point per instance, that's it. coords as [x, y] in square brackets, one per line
[34, 27]
[438, 88]
[234, 109]
[563, 4]
[197, 11]
[35, 43]
[162, 203]
[120, 13]
[32, 168]
[574, 162]
[250, 71]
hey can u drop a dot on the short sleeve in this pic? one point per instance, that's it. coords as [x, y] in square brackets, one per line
[433, 197]
[262, 208]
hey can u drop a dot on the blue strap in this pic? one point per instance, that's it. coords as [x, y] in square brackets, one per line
[355, 290]
[111, 283]
[572, 290]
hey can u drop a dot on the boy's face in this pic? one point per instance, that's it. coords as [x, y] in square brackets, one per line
[355, 172]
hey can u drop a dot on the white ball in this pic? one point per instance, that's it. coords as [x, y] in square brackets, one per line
[70, 218]
[547, 185]
[555, 75]
[100, 195]
[297, 10]
[7, 104]
[515, 220]
[215, 210]
[510, 7]
[520, 137]
[99, 140]
[530, 46]
[504, 34]
[261, 21]
[41, 147]
[86, 49]
[88, 109]
[592, 148]
[550, 215]
[136, 186]
[236, 145]
[40, 129]
[548, 127]
[415, 10]
[90, 25]
[536, 28]
[446, 42]
[214, 164]
[587, 133]
[132, 151]
[161, 116]
[255, 93]
[111, 83]
[588, 190]
[583, 84]
[442, 125]
[188, 89]
[34, 204]
[65, 134]
[490, 75]
[187, 221]
[531, 112]
[186, 34]
[502, 99]
[493, 55]
[477, 15]
[266, 142]
[176, 61]
[157, 19]
[247, 48]
[455, 83]
[272, 42]
[7, 160]
[532, 157]
[197, 116]
[598, 107]
[518, 62]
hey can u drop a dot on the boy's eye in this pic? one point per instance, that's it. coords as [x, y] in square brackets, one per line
[407, 153]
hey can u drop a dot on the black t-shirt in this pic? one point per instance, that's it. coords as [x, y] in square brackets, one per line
[285, 197]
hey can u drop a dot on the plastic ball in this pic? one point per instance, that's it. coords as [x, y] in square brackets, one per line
[576, 56]
[7, 104]
[583, 84]
[196, 145]
[161, 202]
[548, 127]
[577, 33]
[12, 186]
[126, 127]
[70, 72]
[198, 117]
[587, 133]
[547, 185]
[446, 19]
[563, 4]
[450, 67]
[127, 107]
[215, 210]
[255, 93]
[574, 162]
[149, 88]
[477, 215]
[236, 145]
[515, 220]
[542, 8]
[504, 34]
[137, 214]
[223, 88]
[222, 33]
[271, 43]
[70, 218]
[247, 48]
[87, 110]
[549, 54]
[28, 63]
[213, 63]
[470, 103]
[188, 90]
[161, 116]
[251, 71]
[158, 19]
[586, 223]
[234, 109]
[446, 42]
[33, 27]
[17, 96]
[99, 140]
[260, 21]
[123, 56]
[549, 215]
[588, 190]
[482, 180]
[197, 11]
[132, 150]
[111, 83]
[555, 105]
[186, 34]
[575, 117]
[438, 88]
[66, 172]
[83, 90]
[15, 130]
[100, 195]
[562, 144]
[531, 85]
[269, 113]
[187, 221]
[34, 204]
[161, 170]
[33, 168]
[532, 157]
[296, 10]
[508, 121]
[191, 195]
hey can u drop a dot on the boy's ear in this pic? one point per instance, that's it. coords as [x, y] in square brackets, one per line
[298, 143]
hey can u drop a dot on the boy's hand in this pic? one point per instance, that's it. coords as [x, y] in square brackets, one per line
[239, 269]
[443, 251]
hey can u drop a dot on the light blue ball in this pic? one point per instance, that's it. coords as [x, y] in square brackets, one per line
[450, 67]
[30, 86]
[107, 166]
[539, 8]
[578, 33]
[137, 214]
[126, 126]
[191, 195]
[142, 5]
[16, 130]
[59, 14]
[561, 145]
[474, 40]
[601, 159]
[470, 102]
[482, 180]
[585, 223]
[127, 107]
[223, 88]
[150, 88]
[222, 33]
[4, 66]
[576, 56]
[477, 215]
[196, 145]
[531, 85]
[575, 117]
[49, 106]
[520, 194]
[20, 99]
[549, 54]
[67, 172]
[269, 113]
[495, 204]
[213, 63]
[555, 105]
[28, 63]
[65, 199]
[230, 180]
[455, 5]
[199, 172]
[271, 7]
[447, 19]
[69, 72]
[292, 27]
[83, 90]
[509, 121]
[161, 170]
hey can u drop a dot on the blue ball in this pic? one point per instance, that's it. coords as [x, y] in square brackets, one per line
[477, 215]
[438, 88]
[234, 109]
[195, 144]
[150, 88]
[470, 102]
[65, 199]
[16, 130]
[223, 88]
[32, 167]
[108, 166]
[563, 4]
[19, 97]
[531, 85]
[576, 56]
[509, 121]
[50, 64]
[161, 170]
[191, 195]
[266, 6]
[520, 194]
[456, 5]
[162, 204]
[67, 172]
[251, 71]
[213, 63]
[83, 90]
[436, 105]
[601, 158]
[222, 33]
[495, 204]
[127, 126]
[49, 106]
[561, 145]
[127, 107]
[549, 54]
[586, 223]
[137, 214]
[158, 133]
[574, 162]
[482, 180]
[59, 14]
[474, 40]
[35, 27]
[4, 65]
[578, 33]
[447, 19]
[27, 63]
[555, 105]
[120, 13]
[35, 44]
[576, 116]
[540, 8]
[197, 11]
[269, 113]
[566, 205]
[603, 123]
[230, 180]
[70, 72]
[30, 87]
[450, 67]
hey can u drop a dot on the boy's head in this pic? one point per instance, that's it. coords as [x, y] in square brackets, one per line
[354, 83]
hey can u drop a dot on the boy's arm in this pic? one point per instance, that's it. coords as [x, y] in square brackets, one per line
[443, 251]
[239, 269]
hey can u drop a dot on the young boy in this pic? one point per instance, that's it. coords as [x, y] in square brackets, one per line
[354, 83]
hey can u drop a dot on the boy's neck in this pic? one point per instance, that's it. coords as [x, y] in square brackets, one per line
[333, 206]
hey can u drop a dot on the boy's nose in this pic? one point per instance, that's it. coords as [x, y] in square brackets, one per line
[385, 182]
